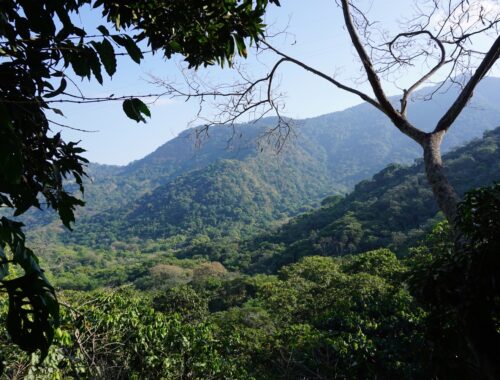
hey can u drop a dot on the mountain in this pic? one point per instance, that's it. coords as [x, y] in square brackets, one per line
[360, 141]
[393, 209]
[229, 195]
[227, 186]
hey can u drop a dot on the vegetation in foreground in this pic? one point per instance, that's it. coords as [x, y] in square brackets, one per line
[321, 314]
[369, 315]
[320, 318]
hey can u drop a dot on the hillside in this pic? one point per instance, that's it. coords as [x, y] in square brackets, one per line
[230, 195]
[185, 188]
[328, 154]
[393, 209]
[360, 141]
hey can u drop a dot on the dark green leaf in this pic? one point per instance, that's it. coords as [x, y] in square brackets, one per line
[129, 44]
[33, 313]
[57, 111]
[135, 108]
[95, 65]
[80, 65]
[4, 265]
[103, 30]
[107, 55]
[60, 90]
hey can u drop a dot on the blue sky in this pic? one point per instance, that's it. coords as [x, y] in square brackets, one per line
[315, 34]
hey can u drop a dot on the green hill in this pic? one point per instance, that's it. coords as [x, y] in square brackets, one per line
[227, 197]
[219, 214]
[393, 209]
[182, 187]
[227, 187]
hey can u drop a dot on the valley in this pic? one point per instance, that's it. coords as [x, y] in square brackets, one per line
[253, 209]
[232, 261]
[249, 190]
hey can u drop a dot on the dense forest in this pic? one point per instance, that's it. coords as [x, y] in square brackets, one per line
[366, 315]
[313, 298]
[360, 244]
[326, 155]
[394, 209]
[239, 270]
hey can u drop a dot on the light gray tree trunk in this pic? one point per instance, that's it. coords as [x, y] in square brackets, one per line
[444, 193]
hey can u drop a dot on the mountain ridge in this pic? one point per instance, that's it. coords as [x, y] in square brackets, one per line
[338, 150]
[393, 209]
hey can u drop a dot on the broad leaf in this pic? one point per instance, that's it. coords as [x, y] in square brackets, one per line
[107, 55]
[33, 313]
[129, 44]
[59, 91]
[135, 109]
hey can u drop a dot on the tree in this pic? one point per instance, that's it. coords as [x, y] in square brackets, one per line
[39, 43]
[441, 37]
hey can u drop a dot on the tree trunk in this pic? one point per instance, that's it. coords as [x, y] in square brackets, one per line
[444, 193]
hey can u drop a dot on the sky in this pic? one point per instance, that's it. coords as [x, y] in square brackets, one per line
[314, 33]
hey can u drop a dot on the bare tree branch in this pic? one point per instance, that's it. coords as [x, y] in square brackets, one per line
[330, 79]
[426, 76]
[385, 105]
[372, 76]
[456, 108]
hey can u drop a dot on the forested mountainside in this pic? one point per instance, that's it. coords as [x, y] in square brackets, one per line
[227, 197]
[360, 141]
[171, 191]
[393, 209]
[251, 247]
[361, 315]
[350, 143]
[184, 272]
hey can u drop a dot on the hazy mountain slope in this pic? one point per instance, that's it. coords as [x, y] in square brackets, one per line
[359, 141]
[360, 133]
[393, 209]
[352, 145]
[342, 148]
[226, 197]
[390, 210]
